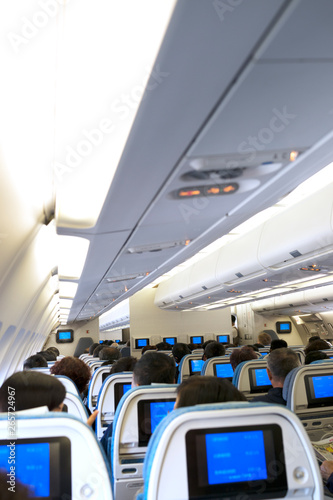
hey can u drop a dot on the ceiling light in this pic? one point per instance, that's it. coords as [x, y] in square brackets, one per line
[67, 289]
[72, 253]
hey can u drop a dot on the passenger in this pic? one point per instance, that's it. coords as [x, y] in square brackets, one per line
[258, 345]
[279, 363]
[326, 470]
[212, 350]
[109, 355]
[244, 353]
[203, 390]
[163, 346]
[179, 350]
[316, 345]
[48, 355]
[148, 348]
[253, 346]
[314, 356]
[125, 364]
[264, 338]
[313, 338]
[277, 344]
[205, 344]
[97, 350]
[35, 361]
[235, 332]
[153, 368]
[75, 369]
[55, 350]
[32, 390]
[192, 346]
[92, 348]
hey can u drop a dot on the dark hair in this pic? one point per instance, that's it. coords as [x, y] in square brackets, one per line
[163, 346]
[313, 338]
[32, 389]
[109, 354]
[278, 343]
[205, 344]
[48, 355]
[21, 491]
[54, 349]
[314, 356]
[125, 364]
[214, 349]
[254, 347]
[258, 344]
[203, 390]
[73, 368]
[245, 353]
[281, 361]
[316, 345]
[180, 350]
[35, 361]
[92, 348]
[264, 338]
[148, 348]
[97, 350]
[154, 367]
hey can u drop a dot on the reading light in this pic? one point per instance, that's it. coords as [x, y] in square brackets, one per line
[293, 155]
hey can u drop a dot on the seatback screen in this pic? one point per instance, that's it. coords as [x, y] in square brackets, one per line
[223, 339]
[196, 340]
[196, 366]
[319, 390]
[139, 343]
[223, 370]
[42, 464]
[235, 462]
[120, 388]
[170, 340]
[150, 414]
[259, 381]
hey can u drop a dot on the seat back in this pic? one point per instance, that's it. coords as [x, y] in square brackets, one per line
[75, 406]
[251, 378]
[137, 415]
[93, 365]
[56, 453]
[95, 384]
[218, 366]
[111, 392]
[187, 366]
[231, 450]
[70, 386]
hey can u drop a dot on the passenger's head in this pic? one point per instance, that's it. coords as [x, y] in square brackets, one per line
[125, 364]
[109, 354]
[92, 348]
[213, 349]
[314, 356]
[32, 389]
[163, 346]
[279, 363]
[278, 343]
[254, 347]
[35, 361]
[97, 350]
[205, 344]
[316, 345]
[245, 353]
[264, 338]
[180, 350]
[55, 350]
[75, 369]
[258, 345]
[148, 348]
[154, 368]
[313, 338]
[48, 355]
[198, 390]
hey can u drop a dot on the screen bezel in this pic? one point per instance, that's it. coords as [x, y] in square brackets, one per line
[194, 372]
[65, 341]
[254, 388]
[197, 337]
[278, 326]
[57, 465]
[218, 339]
[119, 392]
[275, 486]
[174, 339]
[141, 346]
[314, 402]
[144, 418]
[215, 370]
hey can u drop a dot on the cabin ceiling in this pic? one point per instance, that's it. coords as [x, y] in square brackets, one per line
[234, 93]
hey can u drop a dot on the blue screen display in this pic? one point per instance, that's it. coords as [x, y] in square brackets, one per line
[223, 338]
[116, 341]
[284, 327]
[224, 370]
[142, 342]
[261, 377]
[158, 411]
[236, 457]
[32, 466]
[323, 386]
[170, 340]
[196, 340]
[196, 365]
[65, 335]
[126, 387]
